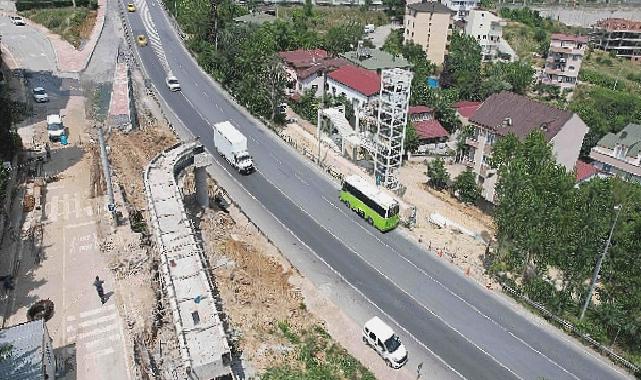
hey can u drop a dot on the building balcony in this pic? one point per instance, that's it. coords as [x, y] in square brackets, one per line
[561, 72]
[621, 165]
[567, 50]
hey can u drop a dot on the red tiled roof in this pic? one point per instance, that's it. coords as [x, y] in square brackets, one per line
[615, 23]
[584, 171]
[466, 108]
[418, 109]
[364, 81]
[525, 114]
[430, 129]
[301, 56]
[568, 37]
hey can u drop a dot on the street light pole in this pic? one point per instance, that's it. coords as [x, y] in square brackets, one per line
[597, 268]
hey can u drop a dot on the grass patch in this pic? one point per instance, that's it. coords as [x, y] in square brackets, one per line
[332, 16]
[74, 25]
[316, 356]
[606, 71]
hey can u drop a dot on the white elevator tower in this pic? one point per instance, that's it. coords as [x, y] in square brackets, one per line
[392, 120]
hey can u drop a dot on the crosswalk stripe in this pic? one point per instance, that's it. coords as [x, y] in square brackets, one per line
[66, 205]
[77, 205]
[97, 321]
[99, 310]
[53, 209]
[97, 331]
[98, 341]
[106, 351]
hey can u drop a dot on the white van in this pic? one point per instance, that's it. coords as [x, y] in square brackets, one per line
[55, 128]
[378, 335]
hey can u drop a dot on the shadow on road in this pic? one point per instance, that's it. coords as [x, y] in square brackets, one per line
[66, 362]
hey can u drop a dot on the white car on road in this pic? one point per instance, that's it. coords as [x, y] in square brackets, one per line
[172, 83]
[40, 95]
[17, 20]
[378, 335]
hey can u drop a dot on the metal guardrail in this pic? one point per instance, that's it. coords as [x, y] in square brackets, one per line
[571, 328]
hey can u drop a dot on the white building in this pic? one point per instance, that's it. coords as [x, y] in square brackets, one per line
[360, 86]
[487, 28]
[620, 154]
[461, 8]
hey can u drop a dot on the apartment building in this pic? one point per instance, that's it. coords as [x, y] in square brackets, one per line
[505, 113]
[564, 60]
[461, 8]
[620, 153]
[429, 24]
[618, 35]
[487, 29]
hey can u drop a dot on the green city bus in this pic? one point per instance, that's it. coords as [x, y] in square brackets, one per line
[378, 208]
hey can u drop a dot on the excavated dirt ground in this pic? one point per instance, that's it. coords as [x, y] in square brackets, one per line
[131, 153]
[254, 283]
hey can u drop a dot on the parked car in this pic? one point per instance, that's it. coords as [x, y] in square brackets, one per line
[17, 20]
[131, 7]
[172, 83]
[141, 40]
[378, 335]
[40, 95]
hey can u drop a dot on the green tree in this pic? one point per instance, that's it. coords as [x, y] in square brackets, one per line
[437, 175]
[394, 43]
[465, 187]
[343, 37]
[604, 110]
[512, 76]
[487, 4]
[462, 68]
[411, 141]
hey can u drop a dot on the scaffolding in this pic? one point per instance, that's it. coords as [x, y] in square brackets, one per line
[393, 103]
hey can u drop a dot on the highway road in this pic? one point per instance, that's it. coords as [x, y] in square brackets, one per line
[471, 332]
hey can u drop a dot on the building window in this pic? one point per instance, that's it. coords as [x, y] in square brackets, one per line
[315, 87]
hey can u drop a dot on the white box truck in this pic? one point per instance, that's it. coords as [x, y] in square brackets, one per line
[232, 145]
[55, 128]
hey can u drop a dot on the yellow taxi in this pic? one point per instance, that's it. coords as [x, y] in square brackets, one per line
[131, 7]
[141, 40]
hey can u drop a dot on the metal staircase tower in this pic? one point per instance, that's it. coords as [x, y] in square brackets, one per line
[392, 120]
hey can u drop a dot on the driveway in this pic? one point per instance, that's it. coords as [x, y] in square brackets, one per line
[26, 47]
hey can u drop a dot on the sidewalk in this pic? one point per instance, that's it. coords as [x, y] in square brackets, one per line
[89, 335]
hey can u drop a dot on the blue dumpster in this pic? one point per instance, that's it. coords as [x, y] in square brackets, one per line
[64, 140]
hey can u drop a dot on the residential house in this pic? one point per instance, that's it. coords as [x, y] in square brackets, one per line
[29, 352]
[374, 59]
[306, 70]
[620, 154]
[487, 29]
[429, 24]
[564, 60]
[419, 113]
[584, 172]
[429, 130]
[358, 85]
[465, 109]
[505, 113]
[618, 35]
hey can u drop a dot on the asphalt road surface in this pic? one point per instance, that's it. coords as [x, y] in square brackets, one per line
[476, 334]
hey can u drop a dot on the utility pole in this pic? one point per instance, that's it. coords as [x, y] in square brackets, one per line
[597, 268]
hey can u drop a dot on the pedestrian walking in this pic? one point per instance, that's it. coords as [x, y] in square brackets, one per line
[101, 292]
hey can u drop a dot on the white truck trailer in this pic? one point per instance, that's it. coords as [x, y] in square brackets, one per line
[232, 145]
